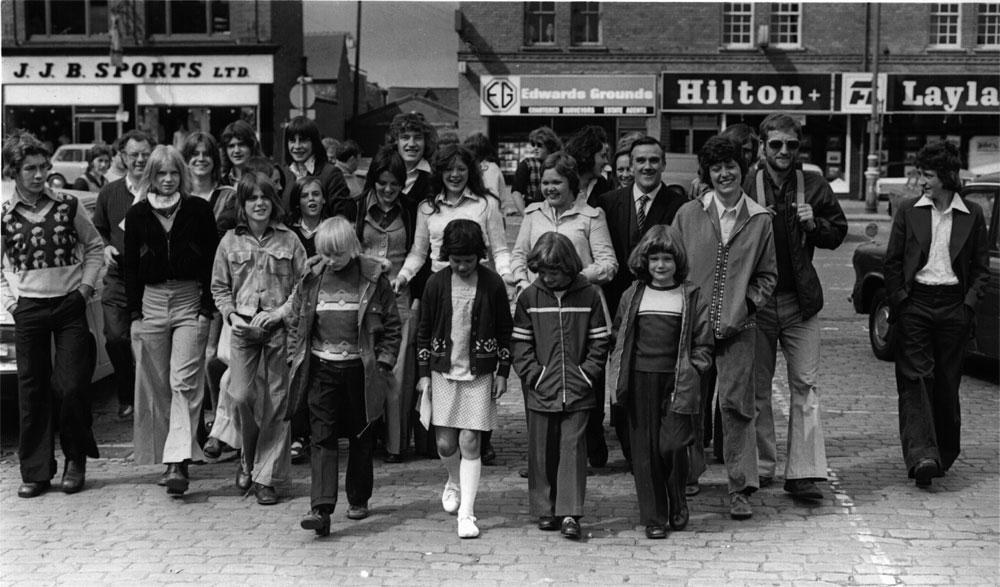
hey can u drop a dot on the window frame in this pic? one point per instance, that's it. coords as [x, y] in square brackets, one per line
[774, 28]
[538, 15]
[981, 16]
[168, 22]
[934, 27]
[48, 35]
[727, 12]
[581, 9]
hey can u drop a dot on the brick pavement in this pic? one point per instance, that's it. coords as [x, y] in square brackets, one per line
[874, 527]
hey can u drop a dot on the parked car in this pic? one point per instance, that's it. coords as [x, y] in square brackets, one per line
[70, 162]
[869, 294]
[95, 316]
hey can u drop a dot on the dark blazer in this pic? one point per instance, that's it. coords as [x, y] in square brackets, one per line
[910, 243]
[619, 209]
[331, 178]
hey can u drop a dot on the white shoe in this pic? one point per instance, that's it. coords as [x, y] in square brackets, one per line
[450, 498]
[467, 527]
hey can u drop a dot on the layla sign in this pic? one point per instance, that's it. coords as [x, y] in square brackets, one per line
[568, 95]
[208, 69]
[764, 91]
[946, 94]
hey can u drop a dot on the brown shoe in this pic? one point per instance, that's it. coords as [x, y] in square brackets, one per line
[266, 495]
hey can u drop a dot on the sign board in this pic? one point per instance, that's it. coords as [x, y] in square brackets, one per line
[298, 91]
[568, 95]
[944, 93]
[140, 69]
[855, 95]
[715, 92]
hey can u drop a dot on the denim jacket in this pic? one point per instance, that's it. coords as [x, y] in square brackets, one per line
[250, 275]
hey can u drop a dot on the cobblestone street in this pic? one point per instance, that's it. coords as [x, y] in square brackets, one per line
[873, 527]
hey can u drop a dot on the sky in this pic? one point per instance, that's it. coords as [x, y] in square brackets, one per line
[402, 43]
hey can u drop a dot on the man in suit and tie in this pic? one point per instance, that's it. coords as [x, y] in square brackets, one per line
[936, 267]
[630, 211]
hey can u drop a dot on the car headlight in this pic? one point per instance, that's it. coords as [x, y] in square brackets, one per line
[8, 351]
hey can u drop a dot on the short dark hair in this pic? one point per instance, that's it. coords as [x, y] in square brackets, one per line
[249, 182]
[780, 121]
[242, 131]
[585, 145]
[295, 197]
[660, 238]
[139, 136]
[414, 122]
[565, 165]
[555, 251]
[720, 149]
[347, 149]
[191, 143]
[641, 141]
[18, 147]
[386, 159]
[943, 158]
[306, 128]
[547, 137]
[742, 133]
[462, 237]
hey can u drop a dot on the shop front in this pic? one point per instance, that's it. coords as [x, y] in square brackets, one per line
[86, 99]
[516, 105]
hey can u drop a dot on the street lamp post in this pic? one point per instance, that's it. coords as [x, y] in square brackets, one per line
[872, 173]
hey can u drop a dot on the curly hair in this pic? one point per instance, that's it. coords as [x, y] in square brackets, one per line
[190, 145]
[443, 162]
[413, 122]
[720, 149]
[555, 251]
[585, 145]
[462, 237]
[943, 158]
[307, 129]
[565, 165]
[660, 238]
[18, 147]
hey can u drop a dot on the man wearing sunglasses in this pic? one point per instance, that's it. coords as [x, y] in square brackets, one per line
[806, 215]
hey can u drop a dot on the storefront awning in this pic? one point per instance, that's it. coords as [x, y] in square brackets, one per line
[196, 95]
[60, 95]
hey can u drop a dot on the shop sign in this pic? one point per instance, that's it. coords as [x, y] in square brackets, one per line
[714, 92]
[568, 95]
[856, 92]
[140, 69]
[944, 94]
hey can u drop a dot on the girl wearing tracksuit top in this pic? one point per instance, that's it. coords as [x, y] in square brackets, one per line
[560, 343]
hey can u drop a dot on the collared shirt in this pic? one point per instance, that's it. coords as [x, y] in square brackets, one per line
[938, 269]
[638, 193]
[305, 168]
[383, 218]
[727, 216]
[412, 174]
[133, 188]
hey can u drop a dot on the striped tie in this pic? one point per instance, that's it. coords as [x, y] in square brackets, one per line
[640, 213]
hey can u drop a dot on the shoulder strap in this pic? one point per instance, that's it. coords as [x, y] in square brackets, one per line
[761, 197]
[800, 187]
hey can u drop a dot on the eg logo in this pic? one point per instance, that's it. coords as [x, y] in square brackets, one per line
[500, 94]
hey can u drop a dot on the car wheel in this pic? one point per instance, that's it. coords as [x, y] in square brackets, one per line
[57, 178]
[880, 332]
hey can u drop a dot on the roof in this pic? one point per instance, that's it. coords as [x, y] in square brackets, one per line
[324, 52]
[400, 106]
[445, 96]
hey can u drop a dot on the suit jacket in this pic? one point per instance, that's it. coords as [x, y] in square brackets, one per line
[619, 209]
[910, 243]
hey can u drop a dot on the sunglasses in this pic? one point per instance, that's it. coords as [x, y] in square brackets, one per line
[776, 144]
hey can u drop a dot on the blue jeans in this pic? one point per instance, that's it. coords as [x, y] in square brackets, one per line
[780, 320]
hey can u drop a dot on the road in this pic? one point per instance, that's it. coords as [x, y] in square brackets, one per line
[873, 528]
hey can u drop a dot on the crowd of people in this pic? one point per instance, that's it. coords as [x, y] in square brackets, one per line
[304, 306]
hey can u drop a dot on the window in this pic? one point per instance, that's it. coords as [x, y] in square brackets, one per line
[786, 19]
[585, 23]
[66, 17]
[187, 17]
[737, 25]
[944, 25]
[539, 23]
[988, 25]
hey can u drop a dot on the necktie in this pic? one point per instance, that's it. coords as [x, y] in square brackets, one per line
[640, 213]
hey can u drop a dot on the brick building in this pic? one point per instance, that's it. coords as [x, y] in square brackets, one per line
[683, 71]
[87, 70]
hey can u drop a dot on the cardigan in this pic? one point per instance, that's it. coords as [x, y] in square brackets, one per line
[489, 339]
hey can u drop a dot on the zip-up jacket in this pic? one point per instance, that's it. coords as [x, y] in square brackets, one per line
[379, 334]
[560, 346]
[694, 350]
[736, 277]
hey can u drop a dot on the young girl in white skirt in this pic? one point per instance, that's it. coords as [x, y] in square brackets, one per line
[463, 360]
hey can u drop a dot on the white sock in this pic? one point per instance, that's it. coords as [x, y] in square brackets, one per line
[451, 464]
[469, 474]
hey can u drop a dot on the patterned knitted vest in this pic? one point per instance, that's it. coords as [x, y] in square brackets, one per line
[41, 240]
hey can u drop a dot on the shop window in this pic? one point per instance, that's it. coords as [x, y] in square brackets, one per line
[60, 18]
[988, 25]
[737, 25]
[585, 23]
[944, 25]
[187, 17]
[786, 25]
[539, 23]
